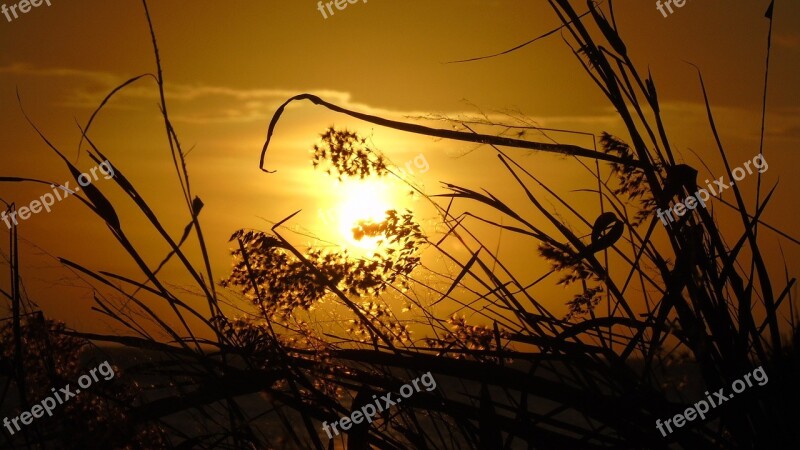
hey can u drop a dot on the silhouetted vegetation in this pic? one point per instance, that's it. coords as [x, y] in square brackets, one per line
[325, 330]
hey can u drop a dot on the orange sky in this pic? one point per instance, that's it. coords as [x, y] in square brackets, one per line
[229, 65]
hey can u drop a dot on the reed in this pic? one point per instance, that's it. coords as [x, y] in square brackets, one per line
[320, 333]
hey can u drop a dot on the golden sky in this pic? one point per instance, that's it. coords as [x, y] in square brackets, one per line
[228, 65]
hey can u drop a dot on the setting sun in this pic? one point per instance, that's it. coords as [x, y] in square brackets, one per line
[385, 227]
[361, 200]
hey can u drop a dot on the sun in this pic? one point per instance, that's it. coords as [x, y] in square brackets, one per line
[361, 200]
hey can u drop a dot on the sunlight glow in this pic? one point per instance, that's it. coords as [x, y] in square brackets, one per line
[361, 200]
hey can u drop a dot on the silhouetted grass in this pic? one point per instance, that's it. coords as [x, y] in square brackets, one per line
[669, 320]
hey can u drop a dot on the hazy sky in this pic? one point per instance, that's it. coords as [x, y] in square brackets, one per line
[228, 65]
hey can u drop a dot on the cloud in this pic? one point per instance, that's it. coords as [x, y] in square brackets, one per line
[787, 40]
[202, 104]
[28, 70]
[190, 103]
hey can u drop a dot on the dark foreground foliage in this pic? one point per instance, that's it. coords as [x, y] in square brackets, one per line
[325, 330]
